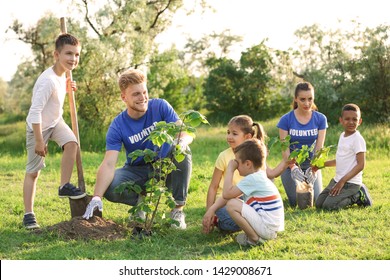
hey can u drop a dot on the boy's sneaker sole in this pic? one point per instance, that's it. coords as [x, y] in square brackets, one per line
[73, 196]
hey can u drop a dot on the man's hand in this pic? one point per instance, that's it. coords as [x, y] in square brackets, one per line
[96, 203]
[181, 143]
[297, 174]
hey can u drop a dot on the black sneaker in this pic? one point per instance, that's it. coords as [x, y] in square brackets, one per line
[29, 221]
[365, 198]
[68, 190]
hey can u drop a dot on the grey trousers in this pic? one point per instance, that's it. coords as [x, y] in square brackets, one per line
[347, 196]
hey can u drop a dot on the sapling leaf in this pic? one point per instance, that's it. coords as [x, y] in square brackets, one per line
[273, 142]
[321, 156]
[179, 157]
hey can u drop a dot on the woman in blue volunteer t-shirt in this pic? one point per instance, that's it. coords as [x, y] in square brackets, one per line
[306, 126]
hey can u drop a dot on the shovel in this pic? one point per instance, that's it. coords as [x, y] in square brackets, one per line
[77, 206]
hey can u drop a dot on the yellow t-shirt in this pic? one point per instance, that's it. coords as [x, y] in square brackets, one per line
[222, 163]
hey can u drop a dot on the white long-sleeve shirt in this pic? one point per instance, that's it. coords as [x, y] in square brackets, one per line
[47, 100]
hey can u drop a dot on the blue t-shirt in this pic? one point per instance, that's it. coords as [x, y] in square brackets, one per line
[304, 134]
[132, 133]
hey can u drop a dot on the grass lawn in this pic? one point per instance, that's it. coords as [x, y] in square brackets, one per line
[350, 234]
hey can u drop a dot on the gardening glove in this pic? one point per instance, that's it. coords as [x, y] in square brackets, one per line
[183, 145]
[310, 176]
[96, 203]
[297, 174]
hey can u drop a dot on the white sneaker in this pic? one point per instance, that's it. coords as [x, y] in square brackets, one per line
[243, 240]
[178, 216]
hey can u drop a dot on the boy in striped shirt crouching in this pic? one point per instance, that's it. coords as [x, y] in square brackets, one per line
[254, 203]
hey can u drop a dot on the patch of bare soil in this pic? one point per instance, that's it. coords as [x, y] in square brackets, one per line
[95, 228]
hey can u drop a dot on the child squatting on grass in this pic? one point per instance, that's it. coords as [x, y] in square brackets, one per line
[239, 129]
[261, 213]
[45, 122]
[347, 188]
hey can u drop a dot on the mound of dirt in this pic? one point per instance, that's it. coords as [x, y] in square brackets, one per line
[95, 228]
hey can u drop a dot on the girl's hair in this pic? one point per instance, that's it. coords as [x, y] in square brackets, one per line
[131, 77]
[303, 86]
[66, 39]
[253, 150]
[246, 124]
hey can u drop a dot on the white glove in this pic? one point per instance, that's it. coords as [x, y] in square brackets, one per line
[183, 145]
[310, 176]
[297, 174]
[96, 203]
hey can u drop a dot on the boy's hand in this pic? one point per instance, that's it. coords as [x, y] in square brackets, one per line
[70, 85]
[233, 164]
[314, 168]
[41, 149]
[336, 189]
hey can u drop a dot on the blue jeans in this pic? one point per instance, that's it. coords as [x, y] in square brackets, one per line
[178, 181]
[225, 222]
[291, 188]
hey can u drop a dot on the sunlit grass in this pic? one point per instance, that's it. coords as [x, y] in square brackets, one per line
[355, 233]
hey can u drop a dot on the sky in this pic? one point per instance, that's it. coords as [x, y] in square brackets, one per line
[254, 20]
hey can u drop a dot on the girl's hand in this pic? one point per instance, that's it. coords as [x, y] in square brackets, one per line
[208, 222]
[290, 162]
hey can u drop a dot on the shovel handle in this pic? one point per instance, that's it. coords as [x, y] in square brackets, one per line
[73, 116]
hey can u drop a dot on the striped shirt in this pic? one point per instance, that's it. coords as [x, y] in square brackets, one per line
[262, 194]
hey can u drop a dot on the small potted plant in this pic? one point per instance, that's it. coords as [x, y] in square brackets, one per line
[304, 180]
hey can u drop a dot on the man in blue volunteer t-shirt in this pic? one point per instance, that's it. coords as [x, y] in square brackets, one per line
[130, 129]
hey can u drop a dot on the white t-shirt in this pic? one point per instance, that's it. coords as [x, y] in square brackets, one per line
[47, 100]
[347, 149]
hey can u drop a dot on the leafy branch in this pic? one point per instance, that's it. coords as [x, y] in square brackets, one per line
[302, 154]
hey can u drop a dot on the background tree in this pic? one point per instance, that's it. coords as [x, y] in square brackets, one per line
[244, 87]
[116, 37]
[171, 80]
[3, 92]
[41, 37]
[370, 75]
[346, 67]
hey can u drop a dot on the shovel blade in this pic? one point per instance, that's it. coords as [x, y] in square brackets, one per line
[78, 206]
